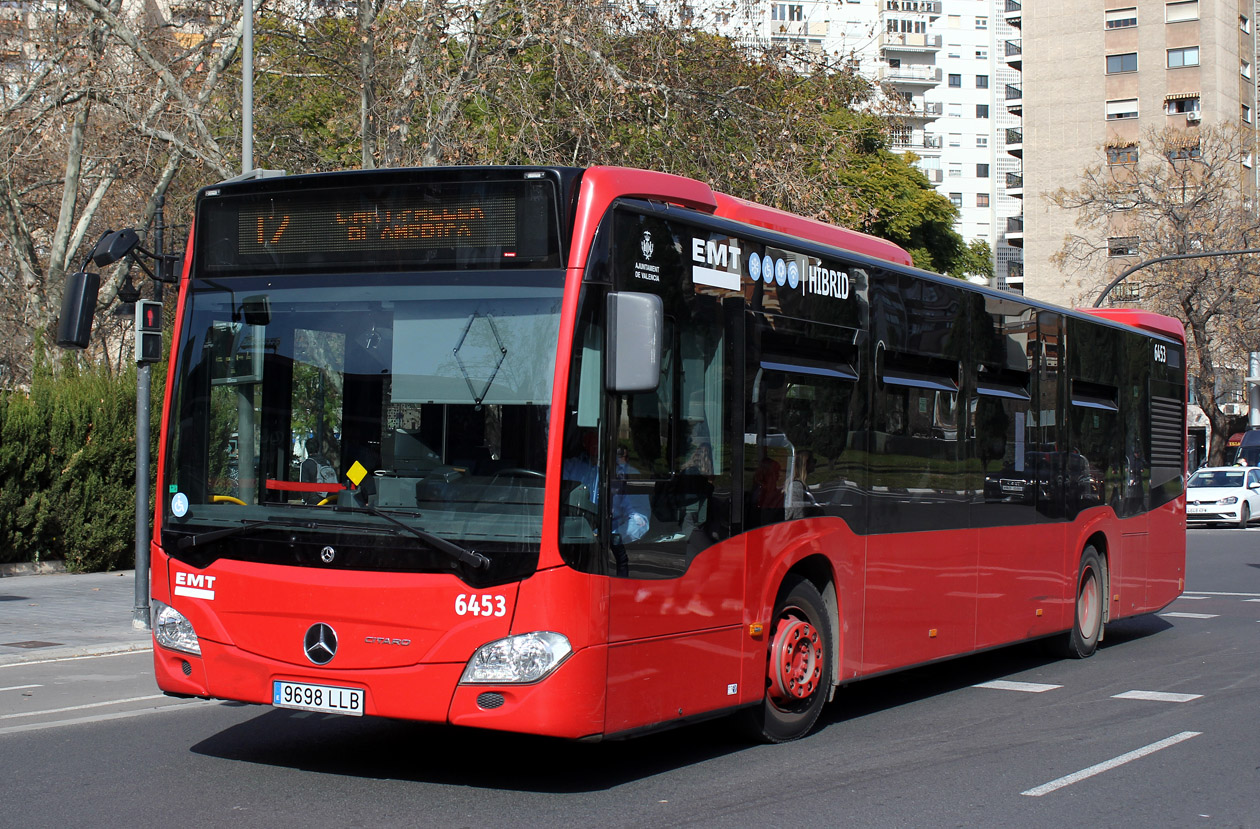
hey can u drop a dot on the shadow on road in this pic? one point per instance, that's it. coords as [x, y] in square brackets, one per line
[379, 749]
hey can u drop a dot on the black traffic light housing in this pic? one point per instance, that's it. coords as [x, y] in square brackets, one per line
[148, 331]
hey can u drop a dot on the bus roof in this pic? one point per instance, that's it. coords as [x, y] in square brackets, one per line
[1146, 320]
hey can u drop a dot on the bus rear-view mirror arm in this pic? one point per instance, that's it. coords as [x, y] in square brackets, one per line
[636, 324]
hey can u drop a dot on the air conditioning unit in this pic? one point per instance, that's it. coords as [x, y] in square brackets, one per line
[1192, 116]
[1231, 409]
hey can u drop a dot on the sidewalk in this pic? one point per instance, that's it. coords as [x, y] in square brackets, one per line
[57, 615]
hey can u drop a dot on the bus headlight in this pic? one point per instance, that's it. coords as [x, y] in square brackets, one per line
[526, 657]
[173, 630]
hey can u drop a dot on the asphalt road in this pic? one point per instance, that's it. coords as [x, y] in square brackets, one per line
[1158, 729]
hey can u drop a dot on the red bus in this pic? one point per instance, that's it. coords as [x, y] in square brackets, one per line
[592, 452]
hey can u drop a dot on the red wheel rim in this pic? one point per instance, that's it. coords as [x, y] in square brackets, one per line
[796, 660]
[1088, 604]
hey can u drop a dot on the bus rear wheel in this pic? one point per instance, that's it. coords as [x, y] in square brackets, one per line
[1091, 594]
[799, 668]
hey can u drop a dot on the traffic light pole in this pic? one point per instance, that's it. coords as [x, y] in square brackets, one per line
[140, 615]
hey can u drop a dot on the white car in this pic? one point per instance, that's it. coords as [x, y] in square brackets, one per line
[1223, 495]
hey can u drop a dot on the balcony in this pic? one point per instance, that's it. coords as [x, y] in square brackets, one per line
[1015, 231]
[1015, 185]
[1014, 13]
[936, 176]
[922, 111]
[1014, 99]
[1014, 54]
[913, 75]
[921, 6]
[905, 42]
[1015, 142]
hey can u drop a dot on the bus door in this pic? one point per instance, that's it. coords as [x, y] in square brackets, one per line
[1012, 443]
[676, 576]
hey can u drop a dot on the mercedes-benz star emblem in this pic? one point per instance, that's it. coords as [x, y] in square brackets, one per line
[320, 643]
[327, 555]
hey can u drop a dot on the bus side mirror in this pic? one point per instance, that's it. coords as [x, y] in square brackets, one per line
[78, 305]
[636, 325]
[114, 246]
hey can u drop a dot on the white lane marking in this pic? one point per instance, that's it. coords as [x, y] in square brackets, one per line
[118, 715]
[1197, 598]
[1210, 593]
[1107, 765]
[1251, 600]
[1157, 696]
[20, 687]
[1190, 615]
[82, 707]
[1009, 685]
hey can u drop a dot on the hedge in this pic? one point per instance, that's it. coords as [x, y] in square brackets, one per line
[68, 466]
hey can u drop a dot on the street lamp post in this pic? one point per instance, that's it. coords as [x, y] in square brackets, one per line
[1120, 277]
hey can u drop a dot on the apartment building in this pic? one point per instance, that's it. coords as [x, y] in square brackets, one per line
[1098, 76]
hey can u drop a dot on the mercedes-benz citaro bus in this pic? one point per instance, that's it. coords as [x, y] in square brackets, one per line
[593, 452]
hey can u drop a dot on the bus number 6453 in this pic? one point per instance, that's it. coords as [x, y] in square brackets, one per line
[482, 605]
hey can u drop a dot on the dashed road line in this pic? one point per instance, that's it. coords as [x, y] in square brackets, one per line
[20, 687]
[82, 707]
[1211, 593]
[1157, 696]
[1009, 685]
[116, 715]
[1176, 615]
[1129, 757]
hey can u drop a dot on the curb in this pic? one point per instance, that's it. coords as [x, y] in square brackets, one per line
[58, 654]
[31, 568]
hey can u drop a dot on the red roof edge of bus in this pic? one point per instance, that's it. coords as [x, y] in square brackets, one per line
[601, 185]
[771, 218]
[1146, 320]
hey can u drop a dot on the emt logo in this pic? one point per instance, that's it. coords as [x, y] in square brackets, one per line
[195, 585]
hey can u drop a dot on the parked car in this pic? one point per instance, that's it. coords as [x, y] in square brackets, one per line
[1223, 495]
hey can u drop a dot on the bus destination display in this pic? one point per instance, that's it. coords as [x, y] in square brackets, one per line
[398, 223]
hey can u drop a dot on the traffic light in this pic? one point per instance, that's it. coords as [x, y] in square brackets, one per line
[148, 331]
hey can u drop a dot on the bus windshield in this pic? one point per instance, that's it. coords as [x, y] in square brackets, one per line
[305, 406]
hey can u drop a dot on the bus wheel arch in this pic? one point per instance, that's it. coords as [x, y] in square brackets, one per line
[1091, 592]
[802, 655]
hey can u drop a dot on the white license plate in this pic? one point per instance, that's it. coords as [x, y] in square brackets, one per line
[1196, 510]
[328, 699]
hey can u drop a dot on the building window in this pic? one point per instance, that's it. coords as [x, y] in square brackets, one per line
[1125, 108]
[1121, 18]
[1246, 161]
[1182, 104]
[982, 110]
[796, 12]
[955, 81]
[982, 199]
[982, 54]
[1246, 114]
[1122, 246]
[982, 140]
[955, 139]
[1127, 62]
[955, 111]
[982, 171]
[982, 22]
[1122, 155]
[1189, 56]
[786, 11]
[1177, 12]
[955, 171]
[1244, 23]
[956, 199]
[982, 81]
[1244, 69]
[1184, 152]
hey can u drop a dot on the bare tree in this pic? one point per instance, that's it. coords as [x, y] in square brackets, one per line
[106, 110]
[1178, 192]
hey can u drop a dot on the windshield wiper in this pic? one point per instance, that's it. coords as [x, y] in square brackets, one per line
[472, 558]
[227, 532]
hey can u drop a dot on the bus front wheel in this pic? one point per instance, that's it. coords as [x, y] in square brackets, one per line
[1091, 596]
[799, 669]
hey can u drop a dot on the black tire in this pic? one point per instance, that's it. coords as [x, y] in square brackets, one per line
[1091, 600]
[1244, 515]
[777, 720]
